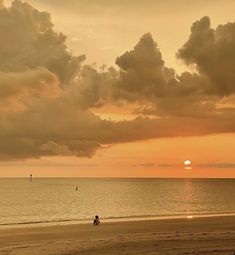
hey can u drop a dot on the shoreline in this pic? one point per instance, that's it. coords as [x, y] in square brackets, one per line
[210, 236]
[111, 220]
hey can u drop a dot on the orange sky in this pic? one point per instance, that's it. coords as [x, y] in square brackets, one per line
[104, 30]
[154, 158]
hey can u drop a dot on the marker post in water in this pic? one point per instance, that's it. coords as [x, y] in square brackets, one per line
[31, 178]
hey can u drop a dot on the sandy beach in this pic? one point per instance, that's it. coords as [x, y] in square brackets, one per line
[177, 236]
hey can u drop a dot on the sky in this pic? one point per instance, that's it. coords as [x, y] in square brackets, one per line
[117, 88]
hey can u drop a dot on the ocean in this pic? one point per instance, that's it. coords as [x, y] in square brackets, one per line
[56, 200]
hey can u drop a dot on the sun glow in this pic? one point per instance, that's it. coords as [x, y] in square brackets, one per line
[188, 164]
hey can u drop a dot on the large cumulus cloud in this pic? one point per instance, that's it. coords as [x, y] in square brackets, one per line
[28, 41]
[49, 98]
[144, 77]
[142, 71]
[212, 53]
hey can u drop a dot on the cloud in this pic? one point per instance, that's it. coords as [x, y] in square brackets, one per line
[145, 165]
[92, 88]
[29, 41]
[1, 4]
[143, 74]
[218, 165]
[17, 89]
[211, 52]
[47, 163]
[55, 128]
[146, 80]
[167, 165]
[49, 98]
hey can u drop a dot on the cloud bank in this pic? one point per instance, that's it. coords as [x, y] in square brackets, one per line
[49, 97]
[217, 164]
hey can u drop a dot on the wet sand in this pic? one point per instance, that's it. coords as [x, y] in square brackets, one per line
[177, 236]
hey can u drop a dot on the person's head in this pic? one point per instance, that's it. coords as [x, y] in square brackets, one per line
[96, 216]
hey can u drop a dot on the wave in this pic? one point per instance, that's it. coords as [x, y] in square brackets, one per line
[112, 219]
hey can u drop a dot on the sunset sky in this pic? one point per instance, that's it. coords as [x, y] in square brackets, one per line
[117, 88]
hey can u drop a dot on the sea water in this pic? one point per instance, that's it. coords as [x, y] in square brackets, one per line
[57, 200]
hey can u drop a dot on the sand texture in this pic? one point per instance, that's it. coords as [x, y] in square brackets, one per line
[177, 236]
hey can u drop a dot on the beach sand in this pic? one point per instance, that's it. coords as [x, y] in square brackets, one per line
[176, 236]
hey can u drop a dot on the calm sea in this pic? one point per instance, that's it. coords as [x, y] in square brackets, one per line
[56, 200]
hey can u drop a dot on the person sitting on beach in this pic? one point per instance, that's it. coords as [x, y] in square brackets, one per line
[96, 220]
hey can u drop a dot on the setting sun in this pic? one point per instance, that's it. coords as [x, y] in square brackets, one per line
[187, 163]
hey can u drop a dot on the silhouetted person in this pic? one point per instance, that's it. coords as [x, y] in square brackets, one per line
[76, 188]
[96, 220]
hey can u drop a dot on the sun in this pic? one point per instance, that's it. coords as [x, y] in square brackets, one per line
[188, 164]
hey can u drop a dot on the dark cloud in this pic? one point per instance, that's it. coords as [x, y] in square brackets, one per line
[145, 79]
[143, 74]
[212, 53]
[58, 128]
[29, 41]
[92, 88]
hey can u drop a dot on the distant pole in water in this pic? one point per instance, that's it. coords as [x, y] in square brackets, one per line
[76, 188]
[31, 177]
